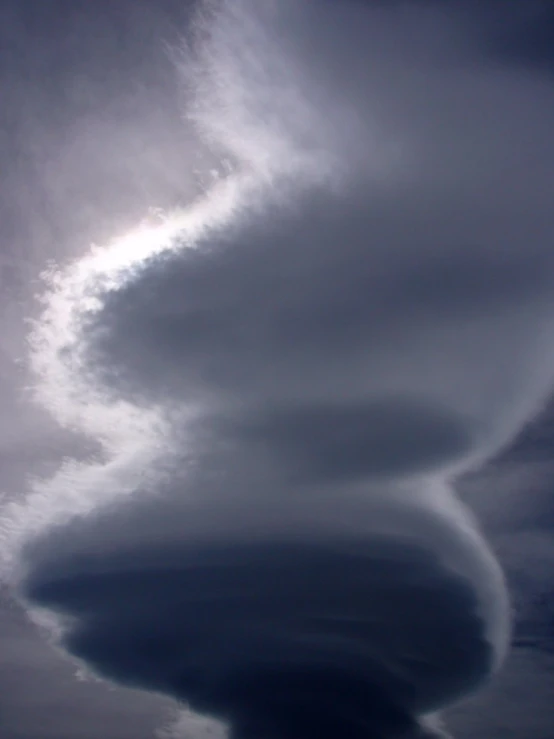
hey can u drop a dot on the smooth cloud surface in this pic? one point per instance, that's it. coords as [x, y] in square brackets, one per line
[287, 378]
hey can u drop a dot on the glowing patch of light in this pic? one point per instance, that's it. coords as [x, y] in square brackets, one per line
[132, 437]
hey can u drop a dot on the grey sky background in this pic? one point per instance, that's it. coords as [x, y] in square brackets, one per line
[93, 135]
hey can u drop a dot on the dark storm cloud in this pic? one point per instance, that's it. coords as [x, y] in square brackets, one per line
[241, 632]
[372, 314]
[232, 601]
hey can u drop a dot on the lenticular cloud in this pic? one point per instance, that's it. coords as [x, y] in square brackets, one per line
[288, 377]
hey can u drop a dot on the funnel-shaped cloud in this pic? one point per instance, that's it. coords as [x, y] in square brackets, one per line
[299, 639]
[283, 621]
[287, 378]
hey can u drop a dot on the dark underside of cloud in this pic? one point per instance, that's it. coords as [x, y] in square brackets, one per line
[288, 639]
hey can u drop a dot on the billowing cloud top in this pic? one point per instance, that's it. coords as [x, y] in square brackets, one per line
[288, 376]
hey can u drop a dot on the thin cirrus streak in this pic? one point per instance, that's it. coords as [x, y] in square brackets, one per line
[366, 313]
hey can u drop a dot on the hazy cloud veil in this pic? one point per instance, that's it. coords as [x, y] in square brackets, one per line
[287, 377]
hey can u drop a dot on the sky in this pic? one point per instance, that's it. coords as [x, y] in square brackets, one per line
[276, 369]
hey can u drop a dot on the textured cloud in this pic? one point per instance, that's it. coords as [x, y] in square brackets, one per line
[288, 376]
[352, 613]
[306, 640]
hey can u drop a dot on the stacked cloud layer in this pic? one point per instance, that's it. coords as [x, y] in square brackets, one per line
[288, 377]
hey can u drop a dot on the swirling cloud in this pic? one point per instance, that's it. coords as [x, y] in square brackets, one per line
[288, 377]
